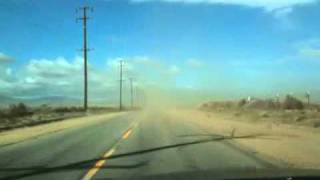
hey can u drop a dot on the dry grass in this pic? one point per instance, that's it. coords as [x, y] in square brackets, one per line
[290, 111]
[20, 115]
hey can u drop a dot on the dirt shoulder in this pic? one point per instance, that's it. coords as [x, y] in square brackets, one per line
[21, 134]
[296, 146]
[18, 116]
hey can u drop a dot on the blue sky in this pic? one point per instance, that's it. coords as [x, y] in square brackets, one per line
[227, 49]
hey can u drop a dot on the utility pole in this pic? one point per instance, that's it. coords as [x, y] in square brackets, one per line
[308, 97]
[131, 92]
[120, 93]
[85, 50]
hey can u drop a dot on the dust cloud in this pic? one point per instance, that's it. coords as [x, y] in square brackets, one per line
[161, 100]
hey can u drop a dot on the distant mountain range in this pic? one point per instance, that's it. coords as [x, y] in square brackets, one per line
[6, 100]
[36, 101]
[58, 101]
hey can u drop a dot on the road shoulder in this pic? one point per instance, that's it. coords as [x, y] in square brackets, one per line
[297, 147]
[23, 134]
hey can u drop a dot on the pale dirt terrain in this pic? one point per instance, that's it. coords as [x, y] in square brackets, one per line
[21, 134]
[291, 145]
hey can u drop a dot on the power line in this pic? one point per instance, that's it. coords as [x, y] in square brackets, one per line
[131, 91]
[85, 50]
[120, 89]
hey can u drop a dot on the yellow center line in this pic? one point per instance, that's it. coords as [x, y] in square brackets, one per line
[93, 171]
[127, 134]
[109, 153]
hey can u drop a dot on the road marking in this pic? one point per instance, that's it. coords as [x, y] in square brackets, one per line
[109, 153]
[93, 171]
[127, 134]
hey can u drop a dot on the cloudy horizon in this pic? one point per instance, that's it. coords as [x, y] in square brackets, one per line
[217, 49]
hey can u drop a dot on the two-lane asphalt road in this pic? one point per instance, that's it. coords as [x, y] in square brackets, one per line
[124, 147]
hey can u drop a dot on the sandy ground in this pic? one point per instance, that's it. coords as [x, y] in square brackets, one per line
[21, 134]
[294, 146]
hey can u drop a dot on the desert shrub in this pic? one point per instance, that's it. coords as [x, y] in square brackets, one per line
[261, 104]
[242, 102]
[43, 109]
[291, 102]
[299, 118]
[316, 124]
[264, 115]
[204, 105]
[2, 114]
[61, 110]
[68, 109]
[18, 110]
[221, 105]
[76, 109]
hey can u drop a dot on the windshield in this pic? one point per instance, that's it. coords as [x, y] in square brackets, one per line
[108, 89]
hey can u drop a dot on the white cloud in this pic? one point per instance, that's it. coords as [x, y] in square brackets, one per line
[310, 52]
[145, 70]
[174, 70]
[146, 61]
[54, 68]
[308, 48]
[282, 12]
[156, 66]
[194, 63]
[8, 71]
[5, 71]
[30, 80]
[114, 62]
[282, 15]
[5, 58]
[268, 5]
[56, 77]
[64, 77]
[307, 43]
[142, 65]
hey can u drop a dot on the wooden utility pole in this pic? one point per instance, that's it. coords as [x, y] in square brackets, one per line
[131, 92]
[308, 97]
[85, 50]
[120, 89]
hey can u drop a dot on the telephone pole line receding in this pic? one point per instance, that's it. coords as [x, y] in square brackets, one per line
[131, 91]
[120, 93]
[85, 50]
